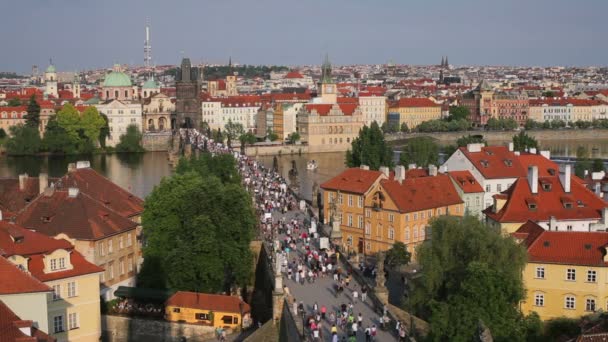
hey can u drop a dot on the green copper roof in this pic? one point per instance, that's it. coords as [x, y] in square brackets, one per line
[151, 84]
[92, 101]
[117, 79]
[326, 71]
[51, 68]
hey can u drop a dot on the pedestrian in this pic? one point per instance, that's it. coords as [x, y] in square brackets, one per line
[334, 337]
[354, 328]
[368, 334]
[360, 320]
[355, 296]
[323, 311]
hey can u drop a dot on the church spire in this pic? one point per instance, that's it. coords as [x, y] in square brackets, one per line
[447, 64]
[442, 61]
[326, 71]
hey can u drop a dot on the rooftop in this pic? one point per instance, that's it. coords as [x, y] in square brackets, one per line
[207, 301]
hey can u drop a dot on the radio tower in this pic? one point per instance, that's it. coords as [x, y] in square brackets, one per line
[147, 49]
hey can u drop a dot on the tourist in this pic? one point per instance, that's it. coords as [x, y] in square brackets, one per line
[363, 293]
[355, 295]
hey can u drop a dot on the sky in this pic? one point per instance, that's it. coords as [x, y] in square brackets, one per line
[83, 34]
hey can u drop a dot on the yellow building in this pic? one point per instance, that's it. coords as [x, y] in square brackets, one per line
[378, 208]
[567, 272]
[208, 309]
[72, 307]
[414, 111]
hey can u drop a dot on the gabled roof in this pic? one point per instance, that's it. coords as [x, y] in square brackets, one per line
[546, 167]
[465, 181]
[13, 199]
[416, 102]
[496, 162]
[420, 193]
[353, 180]
[294, 74]
[585, 204]
[570, 248]
[324, 108]
[10, 325]
[80, 267]
[16, 240]
[80, 217]
[15, 281]
[205, 301]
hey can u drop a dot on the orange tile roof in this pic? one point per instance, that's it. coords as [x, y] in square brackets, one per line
[416, 102]
[205, 301]
[496, 162]
[348, 108]
[466, 181]
[353, 180]
[80, 267]
[294, 74]
[13, 199]
[352, 100]
[546, 167]
[548, 203]
[570, 248]
[30, 242]
[10, 324]
[16, 281]
[564, 101]
[421, 193]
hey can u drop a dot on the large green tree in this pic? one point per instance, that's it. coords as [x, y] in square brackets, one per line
[470, 273]
[14, 102]
[398, 255]
[470, 139]
[198, 228]
[91, 123]
[23, 140]
[370, 149]
[421, 151]
[459, 113]
[523, 142]
[32, 118]
[130, 142]
[234, 129]
[68, 117]
[582, 162]
[56, 140]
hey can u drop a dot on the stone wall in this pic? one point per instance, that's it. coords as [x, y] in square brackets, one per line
[254, 151]
[498, 137]
[157, 141]
[124, 329]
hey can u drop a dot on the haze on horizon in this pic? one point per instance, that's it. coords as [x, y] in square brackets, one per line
[89, 34]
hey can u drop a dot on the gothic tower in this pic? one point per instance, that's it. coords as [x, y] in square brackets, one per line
[329, 93]
[188, 96]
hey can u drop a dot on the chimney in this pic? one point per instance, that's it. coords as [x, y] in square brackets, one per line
[432, 170]
[510, 147]
[385, 171]
[400, 173]
[443, 168]
[546, 154]
[411, 166]
[364, 167]
[1, 215]
[474, 147]
[565, 176]
[552, 223]
[533, 150]
[605, 253]
[71, 167]
[533, 178]
[43, 182]
[83, 164]
[22, 179]
[73, 192]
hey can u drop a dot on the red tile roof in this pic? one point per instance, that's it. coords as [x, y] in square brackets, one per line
[348, 108]
[294, 74]
[548, 203]
[321, 109]
[421, 193]
[80, 267]
[496, 162]
[80, 217]
[466, 181]
[13, 199]
[205, 301]
[10, 324]
[16, 281]
[352, 100]
[416, 102]
[570, 248]
[30, 242]
[564, 102]
[353, 180]
[546, 167]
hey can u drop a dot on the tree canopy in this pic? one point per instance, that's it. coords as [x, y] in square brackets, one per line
[130, 142]
[199, 224]
[523, 142]
[234, 129]
[470, 139]
[421, 151]
[370, 149]
[32, 118]
[398, 255]
[501, 124]
[14, 102]
[459, 113]
[582, 162]
[470, 273]
[24, 140]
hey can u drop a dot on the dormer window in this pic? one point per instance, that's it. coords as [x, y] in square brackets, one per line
[508, 162]
[485, 163]
[46, 219]
[488, 152]
[546, 185]
[57, 264]
[567, 202]
[580, 203]
[532, 205]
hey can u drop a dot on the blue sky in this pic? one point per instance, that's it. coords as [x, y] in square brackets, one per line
[80, 34]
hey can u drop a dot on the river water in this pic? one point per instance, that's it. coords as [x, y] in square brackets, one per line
[139, 173]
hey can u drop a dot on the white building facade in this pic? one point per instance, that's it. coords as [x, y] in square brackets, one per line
[120, 115]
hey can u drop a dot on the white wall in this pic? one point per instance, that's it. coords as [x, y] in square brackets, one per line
[29, 306]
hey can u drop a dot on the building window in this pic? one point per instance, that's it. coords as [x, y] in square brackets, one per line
[350, 220]
[488, 188]
[391, 234]
[571, 274]
[407, 234]
[102, 251]
[53, 264]
[407, 217]
[360, 222]
[111, 271]
[73, 321]
[350, 200]
[422, 232]
[201, 316]
[539, 299]
[120, 243]
[591, 276]
[56, 292]
[391, 218]
[368, 229]
[540, 272]
[72, 289]
[61, 263]
[110, 249]
[498, 187]
[58, 324]
[129, 240]
[341, 199]
[121, 267]
[590, 304]
[349, 241]
[130, 263]
[415, 216]
[360, 201]
[415, 233]
[570, 302]
[176, 310]
[569, 227]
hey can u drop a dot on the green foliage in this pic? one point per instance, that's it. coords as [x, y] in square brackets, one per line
[56, 140]
[69, 133]
[501, 124]
[598, 165]
[548, 93]
[247, 71]
[130, 141]
[582, 162]
[68, 117]
[217, 135]
[91, 123]
[558, 123]
[24, 140]
[582, 124]
[455, 125]
[470, 139]
[2, 133]
[459, 113]
[248, 138]
[421, 151]
[234, 130]
[523, 141]
[370, 149]
[294, 137]
[398, 255]
[272, 136]
[404, 128]
[531, 124]
[14, 102]
[471, 273]
[533, 327]
[561, 329]
[198, 227]
[104, 131]
[32, 118]
[388, 128]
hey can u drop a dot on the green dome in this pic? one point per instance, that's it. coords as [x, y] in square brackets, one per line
[51, 68]
[117, 79]
[151, 84]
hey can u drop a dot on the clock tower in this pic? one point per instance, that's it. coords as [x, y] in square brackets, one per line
[329, 91]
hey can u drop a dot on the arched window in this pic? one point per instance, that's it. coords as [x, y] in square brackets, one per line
[126, 93]
[115, 94]
[107, 94]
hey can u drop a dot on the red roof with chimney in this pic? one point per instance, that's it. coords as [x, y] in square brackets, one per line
[416, 102]
[353, 180]
[570, 248]
[550, 200]
[13, 198]
[415, 194]
[496, 162]
[205, 301]
[16, 281]
[466, 181]
[546, 167]
[10, 324]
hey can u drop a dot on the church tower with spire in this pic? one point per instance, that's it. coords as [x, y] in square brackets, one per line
[50, 81]
[329, 93]
[76, 86]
